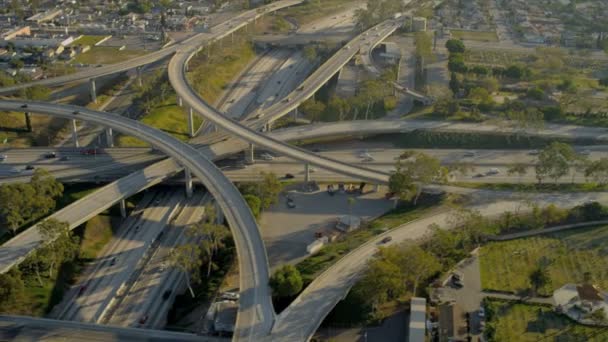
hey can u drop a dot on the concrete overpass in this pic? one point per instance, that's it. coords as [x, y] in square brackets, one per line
[256, 313]
[300, 39]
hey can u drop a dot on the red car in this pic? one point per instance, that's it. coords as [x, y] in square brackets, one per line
[88, 152]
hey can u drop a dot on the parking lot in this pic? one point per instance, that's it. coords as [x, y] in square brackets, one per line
[287, 231]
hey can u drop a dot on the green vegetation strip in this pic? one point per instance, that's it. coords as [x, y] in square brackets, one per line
[509, 321]
[529, 187]
[312, 266]
[568, 256]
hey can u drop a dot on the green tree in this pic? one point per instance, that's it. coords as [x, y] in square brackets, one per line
[313, 109]
[60, 243]
[539, 278]
[211, 236]
[268, 189]
[455, 46]
[12, 290]
[424, 47]
[286, 281]
[187, 258]
[554, 161]
[597, 170]
[519, 169]
[413, 171]
[255, 204]
[310, 52]
[455, 84]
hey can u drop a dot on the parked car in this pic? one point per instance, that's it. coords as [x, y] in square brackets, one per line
[457, 279]
[387, 239]
[493, 171]
[481, 313]
[233, 296]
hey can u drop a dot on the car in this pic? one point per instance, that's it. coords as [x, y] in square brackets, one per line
[291, 203]
[29, 167]
[3, 157]
[64, 158]
[233, 296]
[82, 289]
[584, 152]
[166, 295]
[533, 152]
[368, 159]
[50, 155]
[386, 240]
[470, 154]
[457, 279]
[137, 228]
[89, 152]
[289, 176]
[24, 106]
[143, 319]
[481, 313]
[479, 175]
[113, 261]
[266, 156]
[364, 154]
[75, 112]
[493, 171]
[312, 169]
[232, 101]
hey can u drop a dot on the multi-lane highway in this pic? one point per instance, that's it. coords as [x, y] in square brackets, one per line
[256, 313]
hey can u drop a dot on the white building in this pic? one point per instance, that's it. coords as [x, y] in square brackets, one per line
[581, 302]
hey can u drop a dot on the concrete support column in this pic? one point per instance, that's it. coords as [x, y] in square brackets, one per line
[295, 114]
[188, 176]
[269, 126]
[28, 122]
[109, 137]
[180, 102]
[191, 122]
[93, 90]
[219, 214]
[376, 187]
[306, 172]
[249, 154]
[139, 80]
[123, 208]
[232, 38]
[75, 133]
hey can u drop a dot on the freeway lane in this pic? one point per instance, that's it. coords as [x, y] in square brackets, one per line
[217, 32]
[256, 313]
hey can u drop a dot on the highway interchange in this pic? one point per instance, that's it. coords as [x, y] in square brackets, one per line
[256, 319]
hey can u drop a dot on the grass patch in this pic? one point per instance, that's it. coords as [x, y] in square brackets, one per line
[312, 266]
[74, 192]
[524, 322]
[485, 36]
[107, 55]
[505, 266]
[169, 118]
[88, 40]
[96, 234]
[211, 76]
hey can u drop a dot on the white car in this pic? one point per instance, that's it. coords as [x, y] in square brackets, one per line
[312, 169]
[3, 157]
[493, 171]
[266, 156]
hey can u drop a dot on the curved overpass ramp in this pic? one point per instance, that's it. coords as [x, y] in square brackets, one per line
[256, 313]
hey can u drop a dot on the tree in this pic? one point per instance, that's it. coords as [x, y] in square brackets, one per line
[463, 168]
[424, 47]
[286, 281]
[519, 169]
[455, 84]
[268, 189]
[455, 46]
[16, 63]
[310, 52]
[313, 109]
[60, 243]
[554, 161]
[211, 236]
[11, 289]
[539, 277]
[187, 258]
[254, 203]
[491, 84]
[598, 171]
[413, 171]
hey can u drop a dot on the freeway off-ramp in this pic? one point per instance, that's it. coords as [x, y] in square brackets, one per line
[256, 313]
